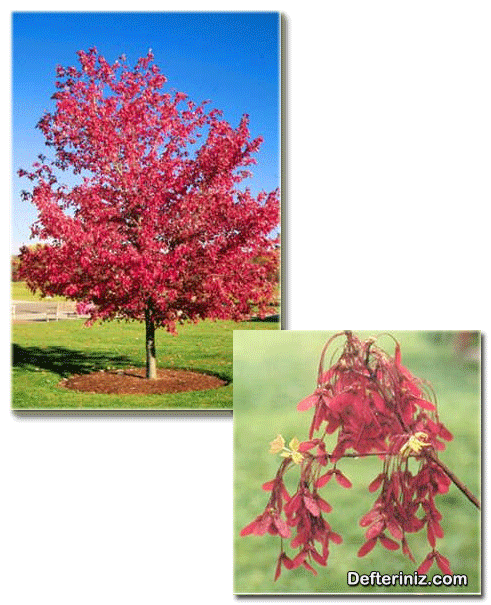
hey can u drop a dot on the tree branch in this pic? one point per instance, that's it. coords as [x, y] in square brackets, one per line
[429, 454]
[455, 480]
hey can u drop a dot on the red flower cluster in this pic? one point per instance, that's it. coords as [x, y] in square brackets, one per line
[371, 398]
[303, 513]
[378, 408]
[404, 495]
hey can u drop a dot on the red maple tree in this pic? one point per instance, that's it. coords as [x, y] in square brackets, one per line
[157, 228]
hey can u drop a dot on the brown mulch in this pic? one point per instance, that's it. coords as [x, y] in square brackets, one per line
[132, 381]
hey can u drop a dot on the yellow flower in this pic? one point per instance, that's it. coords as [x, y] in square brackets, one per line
[297, 457]
[277, 445]
[414, 444]
[292, 451]
[294, 444]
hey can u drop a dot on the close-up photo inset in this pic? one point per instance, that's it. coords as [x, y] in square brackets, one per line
[357, 462]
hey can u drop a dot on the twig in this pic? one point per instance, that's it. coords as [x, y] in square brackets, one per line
[429, 454]
[455, 480]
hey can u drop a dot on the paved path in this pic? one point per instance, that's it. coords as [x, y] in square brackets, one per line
[24, 310]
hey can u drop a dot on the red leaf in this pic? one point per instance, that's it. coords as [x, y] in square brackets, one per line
[316, 420]
[409, 384]
[443, 564]
[332, 425]
[298, 540]
[414, 524]
[432, 426]
[308, 402]
[444, 433]
[367, 547]
[305, 446]
[437, 529]
[425, 565]
[284, 493]
[378, 402]
[322, 504]
[299, 559]
[336, 538]
[388, 543]
[278, 569]
[268, 486]
[323, 479]
[395, 530]
[326, 376]
[309, 567]
[369, 518]
[443, 482]
[342, 480]
[282, 527]
[248, 529]
[311, 506]
[341, 401]
[294, 504]
[397, 356]
[431, 535]
[320, 559]
[426, 405]
[375, 530]
[376, 483]
[321, 449]
[340, 448]
[259, 526]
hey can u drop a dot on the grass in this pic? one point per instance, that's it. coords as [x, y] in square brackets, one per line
[44, 353]
[20, 291]
[272, 372]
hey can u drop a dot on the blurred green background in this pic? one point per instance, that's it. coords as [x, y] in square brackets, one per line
[272, 372]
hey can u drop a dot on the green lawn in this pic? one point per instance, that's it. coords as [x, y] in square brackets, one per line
[20, 291]
[44, 353]
[272, 373]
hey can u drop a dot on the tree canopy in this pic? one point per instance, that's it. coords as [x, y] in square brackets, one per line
[159, 226]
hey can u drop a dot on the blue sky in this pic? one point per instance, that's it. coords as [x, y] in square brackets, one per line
[232, 59]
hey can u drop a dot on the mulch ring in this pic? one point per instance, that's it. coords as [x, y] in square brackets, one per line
[132, 381]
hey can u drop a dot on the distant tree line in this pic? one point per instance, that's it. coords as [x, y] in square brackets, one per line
[14, 267]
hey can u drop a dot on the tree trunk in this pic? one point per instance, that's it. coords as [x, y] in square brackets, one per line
[150, 346]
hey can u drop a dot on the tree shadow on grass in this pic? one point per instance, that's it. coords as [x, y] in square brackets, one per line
[64, 362]
[267, 319]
